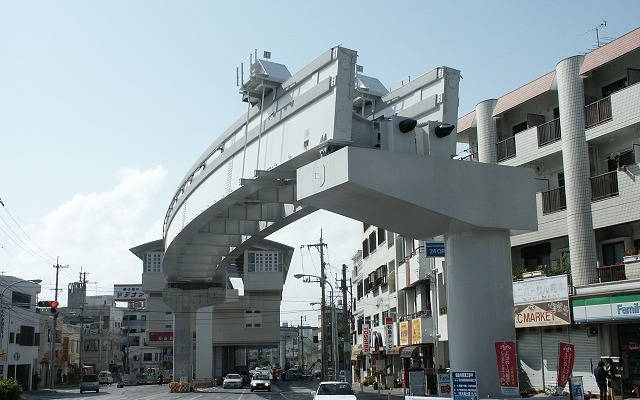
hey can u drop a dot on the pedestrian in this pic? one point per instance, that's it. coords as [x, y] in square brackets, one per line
[601, 379]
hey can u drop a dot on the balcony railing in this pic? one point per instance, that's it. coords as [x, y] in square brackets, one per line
[418, 250]
[506, 148]
[554, 200]
[611, 273]
[549, 132]
[598, 112]
[418, 314]
[604, 186]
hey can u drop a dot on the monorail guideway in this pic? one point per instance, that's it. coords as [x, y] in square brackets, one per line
[330, 138]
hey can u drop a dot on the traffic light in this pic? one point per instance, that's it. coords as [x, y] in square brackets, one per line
[51, 305]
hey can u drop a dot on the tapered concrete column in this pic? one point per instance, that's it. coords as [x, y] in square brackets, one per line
[575, 159]
[184, 304]
[480, 303]
[487, 132]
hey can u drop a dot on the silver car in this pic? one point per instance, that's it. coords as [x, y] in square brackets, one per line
[232, 381]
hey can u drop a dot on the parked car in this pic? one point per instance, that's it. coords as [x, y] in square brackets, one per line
[332, 390]
[89, 383]
[261, 382]
[232, 381]
[105, 378]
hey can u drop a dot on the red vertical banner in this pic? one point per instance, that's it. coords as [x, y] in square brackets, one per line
[566, 358]
[507, 367]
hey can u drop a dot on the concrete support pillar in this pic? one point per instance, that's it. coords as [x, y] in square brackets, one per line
[575, 158]
[479, 303]
[184, 304]
[487, 132]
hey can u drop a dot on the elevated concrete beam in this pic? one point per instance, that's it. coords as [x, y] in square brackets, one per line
[421, 196]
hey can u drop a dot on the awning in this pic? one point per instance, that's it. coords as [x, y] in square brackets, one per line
[409, 351]
[356, 350]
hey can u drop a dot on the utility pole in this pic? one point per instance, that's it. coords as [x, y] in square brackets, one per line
[346, 328]
[301, 346]
[52, 357]
[83, 285]
[323, 307]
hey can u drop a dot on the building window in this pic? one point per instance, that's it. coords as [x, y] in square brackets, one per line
[612, 253]
[264, 261]
[372, 241]
[19, 299]
[153, 261]
[147, 357]
[253, 319]
[535, 256]
[365, 248]
[381, 236]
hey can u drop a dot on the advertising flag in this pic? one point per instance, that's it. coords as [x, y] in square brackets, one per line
[566, 357]
[507, 367]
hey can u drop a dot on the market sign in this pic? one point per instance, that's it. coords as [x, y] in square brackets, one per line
[615, 307]
[541, 302]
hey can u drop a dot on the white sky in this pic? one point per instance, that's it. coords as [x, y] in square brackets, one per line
[105, 105]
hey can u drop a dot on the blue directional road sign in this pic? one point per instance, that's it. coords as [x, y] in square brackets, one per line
[434, 249]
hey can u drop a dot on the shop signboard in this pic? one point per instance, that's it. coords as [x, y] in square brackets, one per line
[541, 302]
[444, 385]
[404, 333]
[388, 328]
[365, 339]
[614, 307]
[128, 293]
[434, 249]
[416, 330]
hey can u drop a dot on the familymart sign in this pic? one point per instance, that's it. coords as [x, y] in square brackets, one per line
[615, 307]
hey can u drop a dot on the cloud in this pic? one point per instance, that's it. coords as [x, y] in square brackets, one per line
[94, 231]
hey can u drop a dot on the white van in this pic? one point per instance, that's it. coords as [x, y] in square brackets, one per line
[105, 378]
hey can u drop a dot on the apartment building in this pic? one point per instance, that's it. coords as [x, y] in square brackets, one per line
[578, 128]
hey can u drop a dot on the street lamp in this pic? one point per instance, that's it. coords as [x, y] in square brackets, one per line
[36, 281]
[322, 280]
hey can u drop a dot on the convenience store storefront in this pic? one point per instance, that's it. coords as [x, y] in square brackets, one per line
[617, 319]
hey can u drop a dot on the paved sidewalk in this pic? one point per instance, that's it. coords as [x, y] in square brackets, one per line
[368, 392]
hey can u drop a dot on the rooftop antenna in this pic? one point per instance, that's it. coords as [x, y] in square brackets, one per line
[597, 29]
